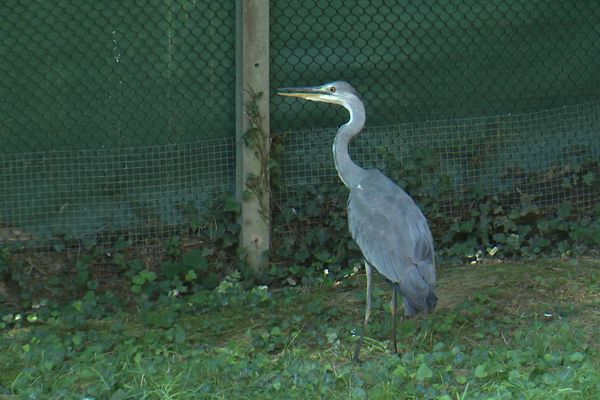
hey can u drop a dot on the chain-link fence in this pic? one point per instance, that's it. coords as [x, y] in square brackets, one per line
[115, 116]
[115, 74]
[503, 93]
[423, 60]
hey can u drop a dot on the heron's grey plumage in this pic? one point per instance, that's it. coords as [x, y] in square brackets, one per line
[394, 237]
[385, 222]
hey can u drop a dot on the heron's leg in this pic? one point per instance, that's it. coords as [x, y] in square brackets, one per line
[393, 307]
[367, 312]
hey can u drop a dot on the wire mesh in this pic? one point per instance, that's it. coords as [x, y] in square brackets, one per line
[88, 194]
[532, 153]
[116, 116]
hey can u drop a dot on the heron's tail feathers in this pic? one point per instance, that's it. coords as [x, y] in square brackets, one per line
[412, 308]
[431, 301]
[418, 287]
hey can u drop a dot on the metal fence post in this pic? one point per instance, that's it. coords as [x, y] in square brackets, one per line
[252, 86]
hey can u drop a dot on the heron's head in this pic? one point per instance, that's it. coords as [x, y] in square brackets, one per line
[338, 92]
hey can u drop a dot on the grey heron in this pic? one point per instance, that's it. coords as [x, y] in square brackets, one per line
[389, 228]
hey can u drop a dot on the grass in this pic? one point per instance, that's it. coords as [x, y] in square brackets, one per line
[501, 331]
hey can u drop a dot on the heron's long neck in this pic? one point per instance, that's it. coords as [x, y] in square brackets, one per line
[349, 172]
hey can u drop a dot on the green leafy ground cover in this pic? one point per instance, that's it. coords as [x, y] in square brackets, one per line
[501, 331]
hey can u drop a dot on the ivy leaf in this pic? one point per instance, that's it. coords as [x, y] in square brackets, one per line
[324, 256]
[191, 276]
[359, 393]
[231, 204]
[427, 158]
[467, 226]
[159, 319]
[171, 269]
[424, 372]
[179, 334]
[195, 260]
[543, 242]
[480, 371]
[566, 183]
[400, 371]
[78, 339]
[147, 276]
[513, 240]
[499, 237]
[564, 210]
[576, 357]
[138, 280]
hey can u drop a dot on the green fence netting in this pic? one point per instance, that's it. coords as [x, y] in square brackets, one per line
[91, 195]
[504, 94]
[89, 74]
[552, 156]
[420, 60]
[117, 116]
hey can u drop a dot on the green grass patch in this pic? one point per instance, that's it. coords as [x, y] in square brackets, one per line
[501, 331]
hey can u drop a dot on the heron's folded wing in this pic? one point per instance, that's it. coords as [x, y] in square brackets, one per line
[393, 236]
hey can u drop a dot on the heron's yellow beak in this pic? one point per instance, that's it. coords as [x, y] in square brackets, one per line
[313, 93]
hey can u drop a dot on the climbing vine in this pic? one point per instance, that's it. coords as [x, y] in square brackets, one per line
[257, 139]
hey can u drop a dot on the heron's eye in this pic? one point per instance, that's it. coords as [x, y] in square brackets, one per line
[332, 89]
